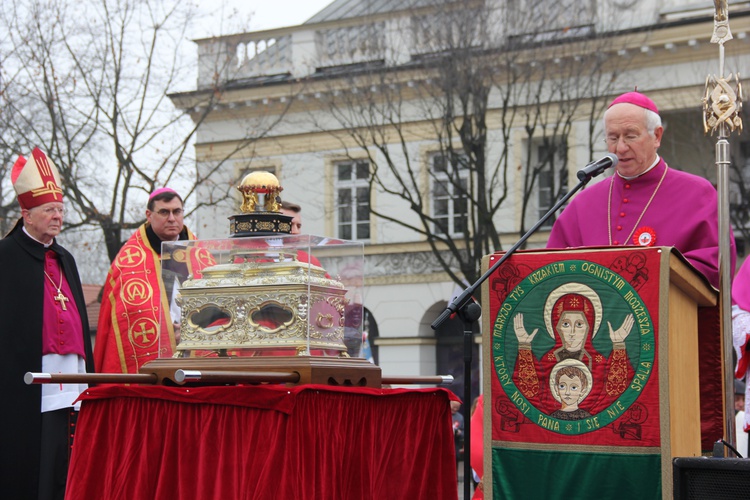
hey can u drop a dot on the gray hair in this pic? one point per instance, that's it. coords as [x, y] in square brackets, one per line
[653, 121]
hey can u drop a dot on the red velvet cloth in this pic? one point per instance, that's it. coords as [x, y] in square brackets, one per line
[711, 376]
[258, 442]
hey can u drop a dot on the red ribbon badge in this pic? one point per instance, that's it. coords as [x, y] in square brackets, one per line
[645, 237]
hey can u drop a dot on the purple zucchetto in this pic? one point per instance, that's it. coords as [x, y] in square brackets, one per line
[162, 190]
[636, 98]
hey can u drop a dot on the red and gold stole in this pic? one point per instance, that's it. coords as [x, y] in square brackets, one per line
[134, 323]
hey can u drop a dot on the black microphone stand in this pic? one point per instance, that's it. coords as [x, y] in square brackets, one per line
[469, 311]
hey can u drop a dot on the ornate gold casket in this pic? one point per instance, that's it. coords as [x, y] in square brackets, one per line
[262, 300]
[290, 294]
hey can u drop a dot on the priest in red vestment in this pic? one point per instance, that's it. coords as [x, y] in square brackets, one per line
[134, 322]
[645, 202]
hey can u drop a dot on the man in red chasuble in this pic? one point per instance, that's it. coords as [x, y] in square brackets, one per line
[645, 203]
[44, 328]
[135, 301]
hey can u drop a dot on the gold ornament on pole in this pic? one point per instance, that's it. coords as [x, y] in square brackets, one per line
[722, 33]
[722, 104]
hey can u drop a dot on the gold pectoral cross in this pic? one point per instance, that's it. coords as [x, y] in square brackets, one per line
[62, 299]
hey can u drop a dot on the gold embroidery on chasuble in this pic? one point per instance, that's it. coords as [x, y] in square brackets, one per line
[130, 257]
[144, 333]
[139, 297]
[135, 291]
[180, 255]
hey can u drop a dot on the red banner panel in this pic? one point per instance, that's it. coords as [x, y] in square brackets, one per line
[574, 348]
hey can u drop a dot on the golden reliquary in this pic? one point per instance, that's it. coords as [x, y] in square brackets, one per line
[262, 299]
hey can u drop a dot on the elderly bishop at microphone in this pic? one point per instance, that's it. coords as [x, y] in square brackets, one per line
[43, 328]
[645, 202]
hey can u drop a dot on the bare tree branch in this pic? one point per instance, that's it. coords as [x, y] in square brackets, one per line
[482, 72]
[93, 91]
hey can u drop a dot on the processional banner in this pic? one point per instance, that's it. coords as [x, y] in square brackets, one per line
[574, 377]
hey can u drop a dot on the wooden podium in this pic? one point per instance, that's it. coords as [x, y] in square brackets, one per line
[600, 366]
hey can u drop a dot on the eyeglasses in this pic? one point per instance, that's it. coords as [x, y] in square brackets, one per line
[612, 140]
[53, 210]
[164, 212]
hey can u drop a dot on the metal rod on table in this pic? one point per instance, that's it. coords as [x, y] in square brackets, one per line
[212, 376]
[185, 376]
[90, 378]
[228, 377]
[427, 380]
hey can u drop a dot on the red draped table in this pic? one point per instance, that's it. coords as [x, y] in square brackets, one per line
[258, 442]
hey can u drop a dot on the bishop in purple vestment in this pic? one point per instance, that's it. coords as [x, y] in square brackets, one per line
[645, 202]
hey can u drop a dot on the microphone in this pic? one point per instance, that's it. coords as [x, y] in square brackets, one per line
[597, 167]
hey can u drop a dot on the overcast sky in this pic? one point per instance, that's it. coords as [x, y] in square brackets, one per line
[255, 15]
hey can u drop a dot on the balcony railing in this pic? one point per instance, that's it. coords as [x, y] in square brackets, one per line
[350, 44]
[392, 39]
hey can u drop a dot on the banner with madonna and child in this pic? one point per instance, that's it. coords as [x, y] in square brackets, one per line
[580, 390]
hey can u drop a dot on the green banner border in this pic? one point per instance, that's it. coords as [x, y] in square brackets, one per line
[586, 272]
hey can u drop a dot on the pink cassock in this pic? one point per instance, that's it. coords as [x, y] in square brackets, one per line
[683, 214]
[741, 286]
[741, 332]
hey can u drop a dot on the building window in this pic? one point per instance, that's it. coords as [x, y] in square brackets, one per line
[450, 183]
[353, 200]
[449, 29]
[554, 20]
[551, 161]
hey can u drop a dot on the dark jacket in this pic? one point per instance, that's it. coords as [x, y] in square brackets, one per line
[21, 303]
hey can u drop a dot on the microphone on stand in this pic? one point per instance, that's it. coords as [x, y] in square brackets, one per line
[597, 167]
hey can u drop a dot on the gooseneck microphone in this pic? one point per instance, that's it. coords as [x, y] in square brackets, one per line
[597, 167]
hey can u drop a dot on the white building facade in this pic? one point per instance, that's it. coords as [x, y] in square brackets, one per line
[272, 110]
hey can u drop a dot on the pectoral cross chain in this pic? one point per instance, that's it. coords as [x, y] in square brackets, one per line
[62, 299]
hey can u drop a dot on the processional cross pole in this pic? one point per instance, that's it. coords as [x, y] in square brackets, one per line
[721, 115]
